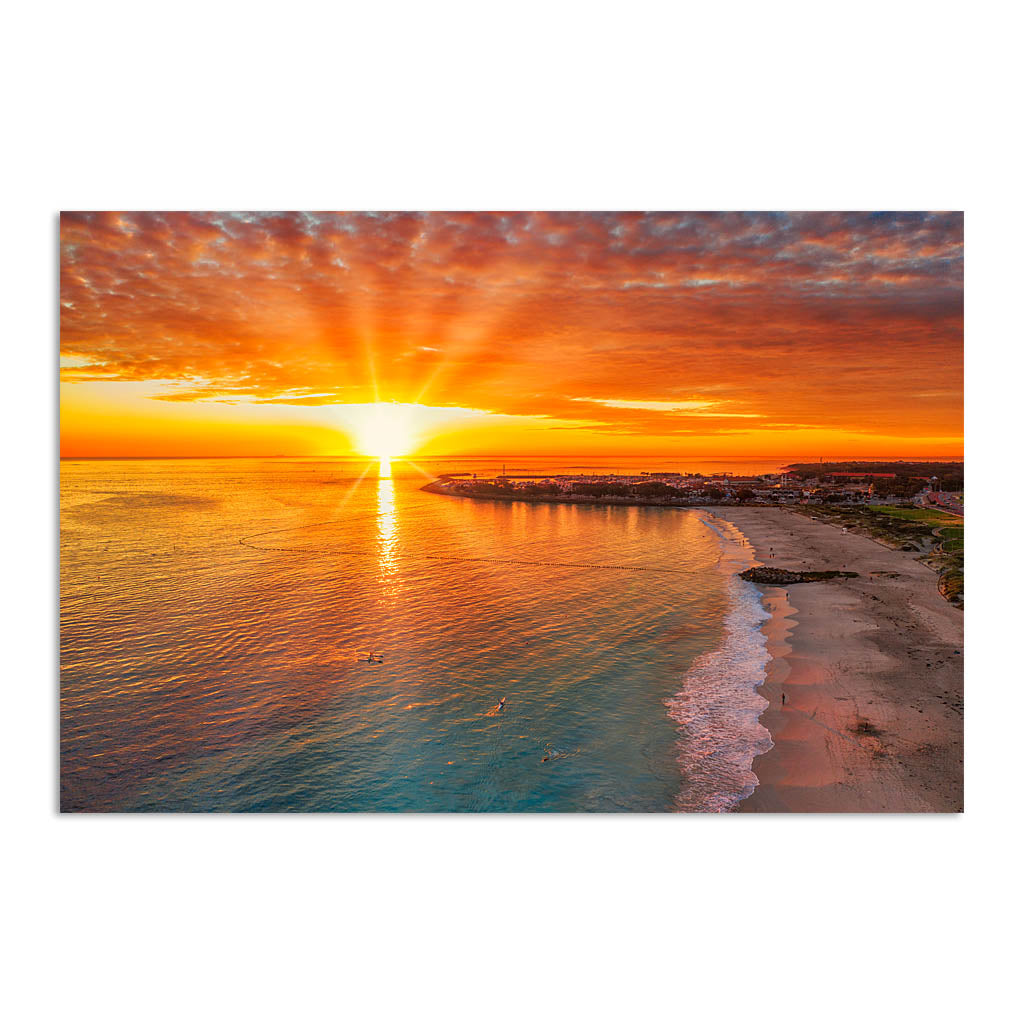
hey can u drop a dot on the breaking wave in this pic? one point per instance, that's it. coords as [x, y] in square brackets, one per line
[718, 706]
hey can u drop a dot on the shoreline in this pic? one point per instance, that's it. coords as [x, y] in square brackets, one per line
[871, 669]
[718, 704]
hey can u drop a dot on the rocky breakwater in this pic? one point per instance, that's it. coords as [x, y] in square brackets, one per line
[773, 577]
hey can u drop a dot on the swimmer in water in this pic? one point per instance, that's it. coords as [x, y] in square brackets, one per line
[551, 754]
[501, 704]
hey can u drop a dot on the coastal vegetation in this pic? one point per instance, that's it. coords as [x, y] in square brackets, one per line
[895, 479]
[936, 535]
[652, 492]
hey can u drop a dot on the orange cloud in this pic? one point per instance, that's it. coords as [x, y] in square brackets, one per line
[664, 332]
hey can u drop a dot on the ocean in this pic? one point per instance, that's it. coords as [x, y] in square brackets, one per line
[217, 616]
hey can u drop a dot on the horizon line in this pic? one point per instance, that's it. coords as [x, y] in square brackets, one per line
[438, 458]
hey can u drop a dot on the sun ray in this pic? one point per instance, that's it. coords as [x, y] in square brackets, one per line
[354, 486]
[421, 470]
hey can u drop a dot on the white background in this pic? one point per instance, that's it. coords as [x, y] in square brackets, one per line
[528, 105]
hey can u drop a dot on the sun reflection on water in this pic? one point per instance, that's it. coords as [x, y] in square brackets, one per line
[387, 528]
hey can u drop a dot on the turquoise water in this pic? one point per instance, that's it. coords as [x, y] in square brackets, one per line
[216, 617]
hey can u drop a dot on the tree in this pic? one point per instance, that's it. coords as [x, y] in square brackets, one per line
[655, 489]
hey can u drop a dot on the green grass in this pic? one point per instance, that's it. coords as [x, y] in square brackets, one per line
[952, 540]
[931, 517]
[951, 585]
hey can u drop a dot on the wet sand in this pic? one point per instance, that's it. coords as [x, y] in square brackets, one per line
[871, 669]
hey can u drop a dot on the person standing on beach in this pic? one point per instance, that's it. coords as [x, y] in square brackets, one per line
[783, 698]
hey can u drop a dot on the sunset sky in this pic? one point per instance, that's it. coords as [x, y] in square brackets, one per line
[533, 333]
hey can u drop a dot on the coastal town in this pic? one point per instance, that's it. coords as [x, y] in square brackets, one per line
[924, 484]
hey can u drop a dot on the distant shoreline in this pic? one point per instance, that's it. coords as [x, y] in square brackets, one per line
[434, 487]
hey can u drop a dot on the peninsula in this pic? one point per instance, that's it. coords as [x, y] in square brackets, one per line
[916, 507]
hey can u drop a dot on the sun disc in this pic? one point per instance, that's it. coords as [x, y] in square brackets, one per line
[381, 430]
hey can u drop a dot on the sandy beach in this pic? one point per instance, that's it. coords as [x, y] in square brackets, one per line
[872, 673]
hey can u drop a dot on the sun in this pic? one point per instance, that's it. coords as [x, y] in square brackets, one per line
[396, 430]
[382, 430]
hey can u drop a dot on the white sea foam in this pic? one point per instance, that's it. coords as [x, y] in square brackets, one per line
[718, 707]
